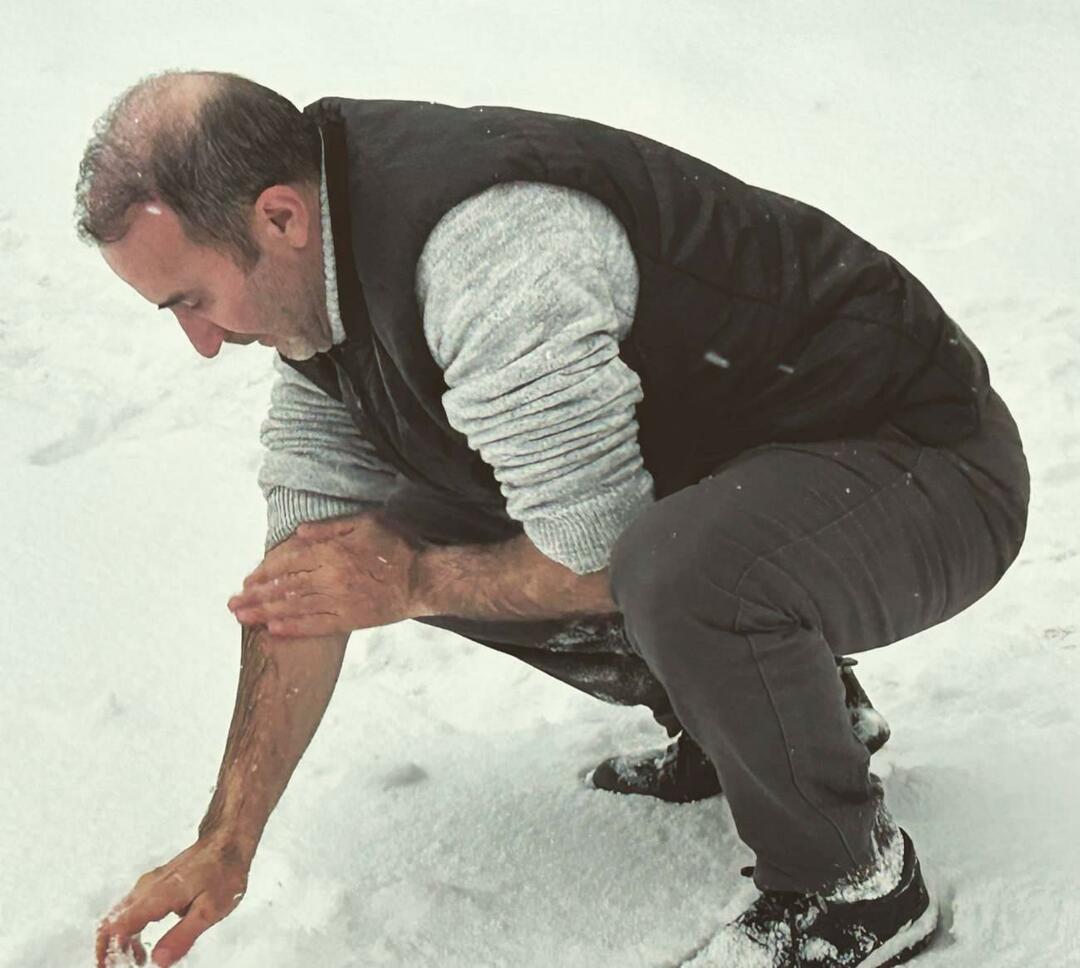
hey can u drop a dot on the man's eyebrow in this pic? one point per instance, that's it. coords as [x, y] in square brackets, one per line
[173, 300]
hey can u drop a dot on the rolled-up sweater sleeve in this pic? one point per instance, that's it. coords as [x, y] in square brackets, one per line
[316, 464]
[526, 291]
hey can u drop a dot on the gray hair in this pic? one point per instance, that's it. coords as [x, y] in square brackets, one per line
[207, 145]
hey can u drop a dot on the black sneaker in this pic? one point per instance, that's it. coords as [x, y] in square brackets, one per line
[788, 930]
[682, 773]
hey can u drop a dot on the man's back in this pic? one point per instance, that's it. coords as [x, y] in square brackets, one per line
[758, 318]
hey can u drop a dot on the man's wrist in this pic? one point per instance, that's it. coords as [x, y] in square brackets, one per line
[511, 579]
[234, 842]
[226, 825]
[429, 574]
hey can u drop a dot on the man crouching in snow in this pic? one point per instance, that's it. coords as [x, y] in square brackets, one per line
[587, 400]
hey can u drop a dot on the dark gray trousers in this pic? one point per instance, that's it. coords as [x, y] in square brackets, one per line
[737, 594]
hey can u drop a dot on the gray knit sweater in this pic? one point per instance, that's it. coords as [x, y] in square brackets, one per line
[526, 291]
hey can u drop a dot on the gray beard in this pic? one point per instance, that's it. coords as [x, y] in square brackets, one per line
[315, 335]
[303, 347]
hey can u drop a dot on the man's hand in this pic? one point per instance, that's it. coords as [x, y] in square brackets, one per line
[359, 572]
[203, 885]
[332, 577]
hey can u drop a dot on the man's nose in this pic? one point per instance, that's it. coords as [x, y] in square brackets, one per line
[202, 334]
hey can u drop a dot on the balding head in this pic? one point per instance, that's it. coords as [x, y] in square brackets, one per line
[173, 98]
[206, 145]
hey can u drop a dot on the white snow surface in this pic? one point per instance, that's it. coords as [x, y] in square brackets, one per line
[439, 818]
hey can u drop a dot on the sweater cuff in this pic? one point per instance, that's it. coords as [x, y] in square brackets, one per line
[287, 509]
[581, 536]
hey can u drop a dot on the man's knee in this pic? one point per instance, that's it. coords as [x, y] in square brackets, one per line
[662, 571]
[678, 563]
[648, 559]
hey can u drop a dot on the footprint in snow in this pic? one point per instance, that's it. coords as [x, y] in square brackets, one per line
[408, 774]
[1058, 312]
[1069, 471]
[88, 433]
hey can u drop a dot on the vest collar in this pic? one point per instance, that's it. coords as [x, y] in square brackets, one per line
[337, 328]
[352, 309]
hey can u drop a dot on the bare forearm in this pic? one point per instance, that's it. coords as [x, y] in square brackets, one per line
[284, 688]
[507, 580]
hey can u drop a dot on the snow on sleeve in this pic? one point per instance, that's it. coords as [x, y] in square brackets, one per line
[526, 291]
[316, 464]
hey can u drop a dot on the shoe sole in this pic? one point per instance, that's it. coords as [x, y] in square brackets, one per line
[907, 942]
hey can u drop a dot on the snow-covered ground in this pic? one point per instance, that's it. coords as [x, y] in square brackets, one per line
[439, 818]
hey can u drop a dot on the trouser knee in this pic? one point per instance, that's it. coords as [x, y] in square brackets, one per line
[659, 576]
[676, 572]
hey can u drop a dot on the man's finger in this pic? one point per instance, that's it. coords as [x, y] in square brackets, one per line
[288, 586]
[318, 623]
[109, 947]
[269, 572]
[107, 943]
[255, 595]
[284, 606]
[320, 530]
[101, 947]
[178, 941]
[131, 916]
[287, 556]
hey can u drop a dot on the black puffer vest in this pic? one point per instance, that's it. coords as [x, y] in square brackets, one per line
[758, 319]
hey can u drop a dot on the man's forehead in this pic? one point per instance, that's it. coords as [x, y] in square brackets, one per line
[153, 215]
[150, 225]
[154, 255]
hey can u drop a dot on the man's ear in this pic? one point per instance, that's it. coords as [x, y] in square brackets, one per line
[281, 216]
